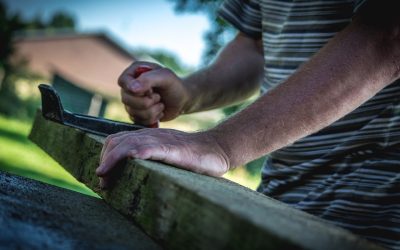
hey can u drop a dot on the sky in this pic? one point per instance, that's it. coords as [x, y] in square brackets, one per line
[134, 23]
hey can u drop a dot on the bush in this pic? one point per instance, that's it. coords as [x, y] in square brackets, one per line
[12, 104]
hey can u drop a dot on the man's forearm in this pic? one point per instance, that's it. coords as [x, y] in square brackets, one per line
[349, 70]
[234, 76]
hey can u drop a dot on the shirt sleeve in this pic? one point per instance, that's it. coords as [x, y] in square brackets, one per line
[244, 15]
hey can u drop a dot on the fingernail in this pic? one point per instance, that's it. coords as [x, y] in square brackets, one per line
[135, 86]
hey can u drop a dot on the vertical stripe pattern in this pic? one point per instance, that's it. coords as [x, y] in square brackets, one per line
[349, 172]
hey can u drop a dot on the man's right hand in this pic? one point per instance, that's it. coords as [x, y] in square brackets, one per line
[155, 95]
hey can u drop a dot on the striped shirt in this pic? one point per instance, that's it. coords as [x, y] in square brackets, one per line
[347, 173]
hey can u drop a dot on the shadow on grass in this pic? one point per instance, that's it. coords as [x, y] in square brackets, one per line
[13, 135]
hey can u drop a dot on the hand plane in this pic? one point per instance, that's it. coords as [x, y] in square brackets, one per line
[53, 110]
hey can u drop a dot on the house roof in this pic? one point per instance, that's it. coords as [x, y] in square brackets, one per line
[92, 61]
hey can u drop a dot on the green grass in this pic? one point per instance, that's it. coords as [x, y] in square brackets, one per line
[20, 156]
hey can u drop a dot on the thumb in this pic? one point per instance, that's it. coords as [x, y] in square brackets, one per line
[139, 88]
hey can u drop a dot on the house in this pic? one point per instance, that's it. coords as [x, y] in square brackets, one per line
[83, 68]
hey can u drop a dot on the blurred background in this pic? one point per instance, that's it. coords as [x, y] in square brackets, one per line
[81, 47]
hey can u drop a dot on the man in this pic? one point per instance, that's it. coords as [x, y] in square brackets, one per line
[328, 117]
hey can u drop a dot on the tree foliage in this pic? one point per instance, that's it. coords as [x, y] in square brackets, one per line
[61, 20]
[10, 25]
[164, 57]
[220, 31]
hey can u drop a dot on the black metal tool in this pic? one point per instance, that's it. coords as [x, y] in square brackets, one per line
[53, 110]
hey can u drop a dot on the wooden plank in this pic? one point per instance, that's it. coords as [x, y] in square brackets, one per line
[185, 210]
[35, 215]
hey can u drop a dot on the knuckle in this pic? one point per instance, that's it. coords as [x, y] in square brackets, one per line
[121, 79]
[144, 151]
[132, 140]
[167, 72]
[164, 148]
[112, 142]
[160, 107]
[146, 104]
[107, 141]
[156, 98]
[153, 115]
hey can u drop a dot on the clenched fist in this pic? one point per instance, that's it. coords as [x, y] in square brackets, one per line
[158, 94]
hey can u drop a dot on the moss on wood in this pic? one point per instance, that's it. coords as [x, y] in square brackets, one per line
[185, 210]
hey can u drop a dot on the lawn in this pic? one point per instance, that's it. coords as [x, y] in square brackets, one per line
[18, 155]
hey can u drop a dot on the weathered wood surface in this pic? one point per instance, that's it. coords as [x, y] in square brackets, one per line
[35, 215]
[184, 210]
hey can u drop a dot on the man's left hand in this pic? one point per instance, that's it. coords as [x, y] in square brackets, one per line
[197, 152]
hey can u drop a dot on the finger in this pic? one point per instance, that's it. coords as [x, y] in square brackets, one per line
[139, 102]
[170, 154]
[150, 115]
[128, 75]
[127, 139]
[125, 79]
[119, 152]
[111, 142]
[153, 151]
[160, 117]
[159, 151]
[114, 140]
[138, 87]
[157, 78]
[146, 117]
[132, 113]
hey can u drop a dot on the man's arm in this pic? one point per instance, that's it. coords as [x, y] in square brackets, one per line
[235, 75]
[356, 64]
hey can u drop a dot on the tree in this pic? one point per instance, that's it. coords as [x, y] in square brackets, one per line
[10, 103]
[62, 20]
[220, 30]
[8, 25]
[164, 57]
